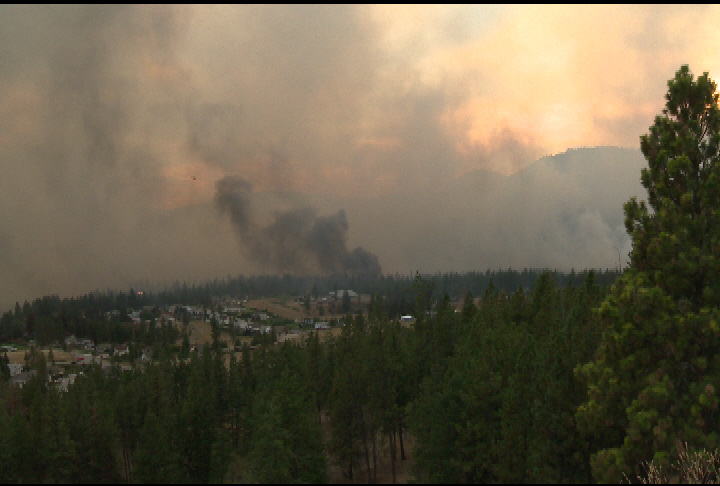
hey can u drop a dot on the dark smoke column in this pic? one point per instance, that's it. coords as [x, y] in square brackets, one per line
[295, 241]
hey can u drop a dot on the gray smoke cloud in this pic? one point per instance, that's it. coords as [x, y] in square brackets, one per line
[295, 240]
[116, 122]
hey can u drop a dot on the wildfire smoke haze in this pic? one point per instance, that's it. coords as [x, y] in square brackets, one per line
[123, 130]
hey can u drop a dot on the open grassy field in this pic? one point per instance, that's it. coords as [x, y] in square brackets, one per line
[289, 309]
[18, 357]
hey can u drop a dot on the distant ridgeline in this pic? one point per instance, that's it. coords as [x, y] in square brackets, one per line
[390, 287]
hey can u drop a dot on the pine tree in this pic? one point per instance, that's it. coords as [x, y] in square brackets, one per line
[8, 471]
[4, 368]
[286, 435]
[156, 460]
[652, 383]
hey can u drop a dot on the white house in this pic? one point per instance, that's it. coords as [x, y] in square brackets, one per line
[242, 324]
[64, 382]
[341, 294]
[15, 369]
[85, 359]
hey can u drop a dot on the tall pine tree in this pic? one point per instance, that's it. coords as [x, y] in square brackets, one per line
[652, 384]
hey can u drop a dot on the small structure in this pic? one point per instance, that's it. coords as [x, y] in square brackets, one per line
[15, 369]
[241, 324]
[63, 383]
[22, 378]
[341, 294]
[85, 359]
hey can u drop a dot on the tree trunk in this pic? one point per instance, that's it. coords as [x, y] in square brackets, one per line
[125, 463]
[365, 446]
[126, 459]
[393, 455]
[374, 456]
[402, 444]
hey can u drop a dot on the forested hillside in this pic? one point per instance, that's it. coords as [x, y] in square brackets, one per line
[457, 385]
[50, 318]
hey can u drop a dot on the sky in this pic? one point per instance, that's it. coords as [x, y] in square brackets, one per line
[119, 124]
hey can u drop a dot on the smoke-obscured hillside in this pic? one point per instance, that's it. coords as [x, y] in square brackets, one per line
[561, 212]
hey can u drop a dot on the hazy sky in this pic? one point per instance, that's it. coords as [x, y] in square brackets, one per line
[114, 120]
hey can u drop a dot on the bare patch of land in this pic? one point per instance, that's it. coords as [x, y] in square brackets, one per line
[18, 357]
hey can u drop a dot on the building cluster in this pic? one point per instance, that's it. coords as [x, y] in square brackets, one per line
[231, 315]
[62, 373]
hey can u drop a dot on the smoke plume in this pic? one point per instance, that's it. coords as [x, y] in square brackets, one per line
[293, 241]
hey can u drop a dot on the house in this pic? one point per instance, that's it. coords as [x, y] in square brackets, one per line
[341, 294]
[121, 350]
[242, 324]
[85, 359]
[15, 369]
[322, 325]
[63, 383]
[22, 378]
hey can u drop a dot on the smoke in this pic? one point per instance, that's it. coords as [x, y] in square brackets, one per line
[116, 124]
[295, 240]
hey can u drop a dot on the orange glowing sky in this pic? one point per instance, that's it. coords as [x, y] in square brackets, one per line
[357, 100]
[372, 96]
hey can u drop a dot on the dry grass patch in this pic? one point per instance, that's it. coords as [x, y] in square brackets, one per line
[691, 468]
[18, 357]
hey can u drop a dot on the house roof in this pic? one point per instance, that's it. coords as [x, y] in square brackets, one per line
[23, 377]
